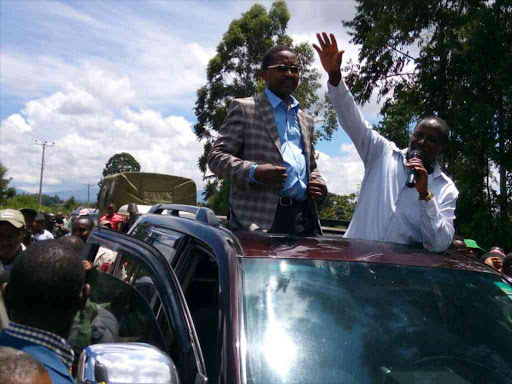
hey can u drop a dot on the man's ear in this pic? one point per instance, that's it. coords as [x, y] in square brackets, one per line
[86, 292]
[263, 74]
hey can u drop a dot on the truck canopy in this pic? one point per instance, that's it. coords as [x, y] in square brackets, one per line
[146, 189]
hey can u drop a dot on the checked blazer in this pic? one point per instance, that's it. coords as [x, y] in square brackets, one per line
[249, 135]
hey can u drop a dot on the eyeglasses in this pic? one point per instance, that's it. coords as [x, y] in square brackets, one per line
[432, 140]
[281, 68]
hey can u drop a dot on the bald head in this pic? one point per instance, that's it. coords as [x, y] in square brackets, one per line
[440, 124]
[18, 367]
[430, 138]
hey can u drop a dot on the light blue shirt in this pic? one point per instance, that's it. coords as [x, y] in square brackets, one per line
[292, 146]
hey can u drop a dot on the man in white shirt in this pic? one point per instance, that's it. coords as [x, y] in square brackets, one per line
[40, 233]
[387, 210]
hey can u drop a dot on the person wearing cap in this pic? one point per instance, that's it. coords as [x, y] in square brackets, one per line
[473, 249]
[40, 233]
[12, 229]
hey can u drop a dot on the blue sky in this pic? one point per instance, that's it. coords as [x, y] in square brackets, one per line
[101, 77]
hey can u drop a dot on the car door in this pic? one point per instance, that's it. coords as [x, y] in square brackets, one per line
[147, 277]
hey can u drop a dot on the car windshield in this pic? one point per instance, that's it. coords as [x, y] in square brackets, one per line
[315, 321]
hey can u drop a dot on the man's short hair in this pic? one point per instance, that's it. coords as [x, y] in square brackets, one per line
[74, 242]
[18, 367]
[269, 55]
[90, 221]
[46, 277]
[443, 124]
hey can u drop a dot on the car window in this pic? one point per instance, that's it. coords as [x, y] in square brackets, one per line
[137, 275]
[198, 274]
[163, 239]
[319, 321]
[143, 269]
[167, 242]
[116, 312]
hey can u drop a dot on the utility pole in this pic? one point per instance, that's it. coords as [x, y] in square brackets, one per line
[88, 188]
[44, 145]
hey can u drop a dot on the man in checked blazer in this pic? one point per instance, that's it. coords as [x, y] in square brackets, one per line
[264, 147]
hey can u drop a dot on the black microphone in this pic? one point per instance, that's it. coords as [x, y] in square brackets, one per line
[411, 175]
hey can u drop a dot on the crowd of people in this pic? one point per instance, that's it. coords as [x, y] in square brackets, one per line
[265, 148]
[42, 272]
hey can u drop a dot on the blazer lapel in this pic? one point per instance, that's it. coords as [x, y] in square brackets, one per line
[267, 114]
[306, 140]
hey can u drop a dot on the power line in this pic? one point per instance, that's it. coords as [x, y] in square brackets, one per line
[44, 145]
[88, 188]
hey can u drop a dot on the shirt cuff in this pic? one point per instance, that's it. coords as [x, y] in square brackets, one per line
[252, 179]
[340, 88]
[429, 207]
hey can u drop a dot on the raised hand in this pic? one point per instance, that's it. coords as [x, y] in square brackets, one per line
[330, 56]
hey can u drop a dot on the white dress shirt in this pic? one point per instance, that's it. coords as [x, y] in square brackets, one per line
[46, 235]
[387, 210]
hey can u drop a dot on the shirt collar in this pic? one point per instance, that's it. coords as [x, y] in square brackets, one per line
[276, 100]
[436, 168]
[49, 340]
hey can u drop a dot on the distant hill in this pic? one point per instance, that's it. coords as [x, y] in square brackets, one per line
[79, 194]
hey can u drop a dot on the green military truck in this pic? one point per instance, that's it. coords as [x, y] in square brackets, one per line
[145, 189]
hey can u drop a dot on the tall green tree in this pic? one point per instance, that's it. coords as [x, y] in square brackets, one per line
[6, 192]
[120, 162]
[234, 72]
[446, 58]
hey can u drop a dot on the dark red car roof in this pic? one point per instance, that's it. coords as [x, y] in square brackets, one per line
[338, 248]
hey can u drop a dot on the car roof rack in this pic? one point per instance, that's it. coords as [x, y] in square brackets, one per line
[203, 214]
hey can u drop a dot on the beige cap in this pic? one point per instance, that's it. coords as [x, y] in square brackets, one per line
[13, 217]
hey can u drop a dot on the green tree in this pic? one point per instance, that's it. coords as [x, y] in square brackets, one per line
[4, 182]
[338, 207]
[71, 203]
[448, 59]
[50, 200]
[234, 72]
[120, 162]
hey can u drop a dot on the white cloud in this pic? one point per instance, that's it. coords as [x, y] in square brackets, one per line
[19, 123]
[343, 174]
[88, 125]
[98, 78]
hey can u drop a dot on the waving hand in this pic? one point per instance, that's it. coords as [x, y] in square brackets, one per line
[330, 56]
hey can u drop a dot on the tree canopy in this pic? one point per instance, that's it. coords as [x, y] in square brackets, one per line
[6, 192]
[452, 59]
[338, 207]
[234, 72]
[121, 162]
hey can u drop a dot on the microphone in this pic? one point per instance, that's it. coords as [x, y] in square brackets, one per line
[411, 175]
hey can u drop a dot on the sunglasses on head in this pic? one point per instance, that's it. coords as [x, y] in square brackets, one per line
[281, 68]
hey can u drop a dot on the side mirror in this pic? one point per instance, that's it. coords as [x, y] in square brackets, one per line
[125, 363]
